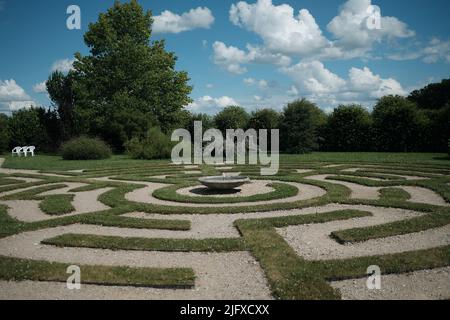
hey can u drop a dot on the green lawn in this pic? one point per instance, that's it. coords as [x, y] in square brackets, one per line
[55, 163]
[371, 157]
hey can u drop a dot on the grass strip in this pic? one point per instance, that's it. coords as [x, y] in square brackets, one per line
[147, 244]
[31, 193]
[423, 223]
[57, 204]
[403, 262]
[15, 269]
[281, 191]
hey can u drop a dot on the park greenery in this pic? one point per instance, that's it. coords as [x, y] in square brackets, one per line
[128, 93]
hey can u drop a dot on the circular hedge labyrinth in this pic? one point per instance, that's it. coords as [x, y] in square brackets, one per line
[152, 232]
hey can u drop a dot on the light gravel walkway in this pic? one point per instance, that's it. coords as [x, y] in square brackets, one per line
[313, 242]
[419, 285]
[83, 202]
[145, 195]
[234, 275]
[418, 194]
[221, 225]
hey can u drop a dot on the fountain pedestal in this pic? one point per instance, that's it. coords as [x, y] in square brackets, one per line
[223, 182]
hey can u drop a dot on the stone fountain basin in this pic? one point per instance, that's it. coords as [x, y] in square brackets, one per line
[223, 182]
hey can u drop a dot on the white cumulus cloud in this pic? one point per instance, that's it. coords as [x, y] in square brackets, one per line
[353, 28]
[40, 87]
[169, 22]
[63, 65]
[13, 96]
[280, 28]
[232, 59]
[210, 105]
[314, 81]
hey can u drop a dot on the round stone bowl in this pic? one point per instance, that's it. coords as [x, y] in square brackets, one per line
[223, 182]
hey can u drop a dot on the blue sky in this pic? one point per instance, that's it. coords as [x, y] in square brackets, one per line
[253, 53]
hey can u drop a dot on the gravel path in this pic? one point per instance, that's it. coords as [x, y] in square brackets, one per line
[407, 177]
[145, 195]
[83, 202]
[419, 285]
[234, 275]
[314, 243]
[418, 194]
[221, 225]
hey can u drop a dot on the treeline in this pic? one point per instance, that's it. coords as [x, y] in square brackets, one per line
[417, 123]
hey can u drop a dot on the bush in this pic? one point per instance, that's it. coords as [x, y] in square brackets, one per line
[84, 148]
[155, 145]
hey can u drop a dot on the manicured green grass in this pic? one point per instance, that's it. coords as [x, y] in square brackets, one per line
[15, 269]
[281, 190]
[55, 162]
[57, 204]
[369, 157]
[289, 276]
[426, 222]
[146, 244]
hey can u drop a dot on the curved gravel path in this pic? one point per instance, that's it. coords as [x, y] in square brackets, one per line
[418, 194]
[234, 275]
[313, 242]
[419, 285]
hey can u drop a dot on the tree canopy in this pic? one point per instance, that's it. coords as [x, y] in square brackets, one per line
[127, 83]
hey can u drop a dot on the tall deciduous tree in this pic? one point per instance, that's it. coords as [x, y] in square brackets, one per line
[300, 125]
[232, 117]
[60, 90]
[433, 96]
[398, 125]
[127, 83]
[349, 129]
[4, 133]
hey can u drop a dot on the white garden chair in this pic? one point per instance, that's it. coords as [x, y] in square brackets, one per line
[16, 151]
[29, 150]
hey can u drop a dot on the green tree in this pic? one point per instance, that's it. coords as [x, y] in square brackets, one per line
[4, 133]
[127, 82]
[348, 129]
[232, 117]
[433, 96]
[61, 92]
[27, 129]
[437, 131]
[265, 119]
[300, 126]
[398, 125]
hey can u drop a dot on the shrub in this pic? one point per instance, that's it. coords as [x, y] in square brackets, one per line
[84, 148]
[155, 145]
